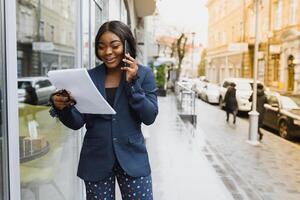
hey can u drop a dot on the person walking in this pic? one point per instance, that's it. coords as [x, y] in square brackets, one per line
[231, 105]
[114, 146]
[30, 95]
[260, 102]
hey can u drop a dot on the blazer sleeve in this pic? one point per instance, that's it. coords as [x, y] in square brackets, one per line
[71, 118]
[143, 99]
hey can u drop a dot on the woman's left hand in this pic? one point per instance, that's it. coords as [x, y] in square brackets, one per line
[132, 69]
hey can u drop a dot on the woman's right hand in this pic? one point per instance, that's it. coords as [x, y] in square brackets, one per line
[61, 100]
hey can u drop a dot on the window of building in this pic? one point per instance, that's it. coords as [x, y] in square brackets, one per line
[52, 31]
[293, 12]
[277, 14]
[42, 31]
[251, 27]
[276, 62]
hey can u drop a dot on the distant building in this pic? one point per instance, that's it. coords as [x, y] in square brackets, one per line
[232, 37]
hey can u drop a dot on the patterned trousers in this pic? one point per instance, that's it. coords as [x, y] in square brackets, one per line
[132, 188]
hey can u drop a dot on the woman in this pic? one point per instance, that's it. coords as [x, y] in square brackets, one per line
[261, 100]
[113, 145]
[231, 105]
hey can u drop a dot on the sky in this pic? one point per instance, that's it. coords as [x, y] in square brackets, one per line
[186, 15]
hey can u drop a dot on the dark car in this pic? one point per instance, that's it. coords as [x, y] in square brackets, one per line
[282, 114]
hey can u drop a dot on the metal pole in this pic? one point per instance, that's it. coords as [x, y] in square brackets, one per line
[193, 37]
[253, 126]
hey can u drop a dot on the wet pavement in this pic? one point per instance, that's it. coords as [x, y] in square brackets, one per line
[269, 171]
[181, 170]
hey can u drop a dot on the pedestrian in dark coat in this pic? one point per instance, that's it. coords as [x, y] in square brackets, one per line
[31, 96]
[231, 105]
[260, 101]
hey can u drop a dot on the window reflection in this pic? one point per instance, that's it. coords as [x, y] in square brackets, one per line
[45, 41]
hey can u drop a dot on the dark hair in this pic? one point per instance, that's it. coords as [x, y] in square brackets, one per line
[122, 31]
[232, 84]
[260, 86]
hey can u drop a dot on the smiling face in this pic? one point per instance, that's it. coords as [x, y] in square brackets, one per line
[110, 49]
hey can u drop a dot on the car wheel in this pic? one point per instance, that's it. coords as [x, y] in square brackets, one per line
[283, 129]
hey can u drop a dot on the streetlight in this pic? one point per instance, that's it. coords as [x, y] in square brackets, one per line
[253, 126]
[193, 45]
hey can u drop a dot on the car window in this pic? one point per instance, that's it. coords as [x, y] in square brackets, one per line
[288, 103]
[47, 83]
[23, 84]
[39, 84]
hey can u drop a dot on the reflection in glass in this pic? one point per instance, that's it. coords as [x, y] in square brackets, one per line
[45, 41]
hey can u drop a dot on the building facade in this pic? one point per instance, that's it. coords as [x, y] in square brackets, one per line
[232, 32]
[38, 155]
[225, 39]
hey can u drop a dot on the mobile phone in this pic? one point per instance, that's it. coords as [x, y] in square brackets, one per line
[126, 50]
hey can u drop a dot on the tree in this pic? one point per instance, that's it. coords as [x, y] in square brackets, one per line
[201, 66]
[181, 50]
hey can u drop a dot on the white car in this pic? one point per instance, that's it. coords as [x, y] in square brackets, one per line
[198, 87]
[210, 93]
[42, 85]
[243, 92]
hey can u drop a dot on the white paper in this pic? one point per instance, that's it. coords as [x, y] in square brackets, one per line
[78, 82]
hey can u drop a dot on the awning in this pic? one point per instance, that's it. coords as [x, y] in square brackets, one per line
[164, 60]
[144, 7]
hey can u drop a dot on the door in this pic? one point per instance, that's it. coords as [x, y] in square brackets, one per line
[291, 73]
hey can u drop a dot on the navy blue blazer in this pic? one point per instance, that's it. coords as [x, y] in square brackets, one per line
[116, 137]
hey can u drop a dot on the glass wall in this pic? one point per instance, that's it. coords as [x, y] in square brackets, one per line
[46, 32]
[3, 135]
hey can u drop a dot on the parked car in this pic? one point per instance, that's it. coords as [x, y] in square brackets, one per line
[210, 93]
[243, 92]
[198, 87]
[282, 114]
[42, 86]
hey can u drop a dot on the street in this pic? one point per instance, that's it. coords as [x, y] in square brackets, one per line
[243, 120]
[268, 171]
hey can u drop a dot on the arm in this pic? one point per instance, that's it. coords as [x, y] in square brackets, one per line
[71, 118]
[142, 98]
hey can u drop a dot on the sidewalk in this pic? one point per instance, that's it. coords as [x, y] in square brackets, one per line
[180, 169]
